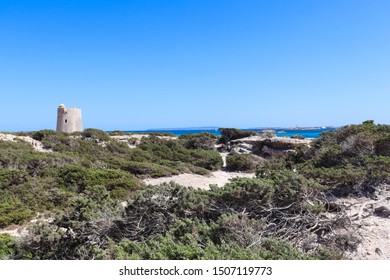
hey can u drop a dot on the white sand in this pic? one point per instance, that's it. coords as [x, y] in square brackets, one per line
[219, 178]
[372, 229]
[37, 145]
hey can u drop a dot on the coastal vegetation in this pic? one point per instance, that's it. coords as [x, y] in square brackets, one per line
[91, 203]
[32, 182]
[353, 159]
[229, 134]
[242, 162]
[204, 141]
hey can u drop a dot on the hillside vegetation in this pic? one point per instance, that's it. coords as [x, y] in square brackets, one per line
[287, 212]
[32, 181]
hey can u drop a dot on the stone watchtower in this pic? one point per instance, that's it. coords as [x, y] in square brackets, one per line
[69, 120]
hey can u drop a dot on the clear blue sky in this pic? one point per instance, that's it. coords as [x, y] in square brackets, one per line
[137, 64]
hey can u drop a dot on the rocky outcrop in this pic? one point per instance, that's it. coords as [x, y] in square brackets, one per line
[265, 147]
[268, 133]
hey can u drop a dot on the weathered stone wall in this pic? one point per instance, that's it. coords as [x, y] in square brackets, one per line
[69, 120]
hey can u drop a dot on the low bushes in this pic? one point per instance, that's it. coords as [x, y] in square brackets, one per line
[269, 217]
[95, 134]
[174, 151]
[196, 240]
[204, 141]
[349, 161]
[13, 211]
[148, 169]
[7, 246]
[32, 181]
[228, 134]
[248, 219]
[209, 160]
[242, 162]
[118, 182]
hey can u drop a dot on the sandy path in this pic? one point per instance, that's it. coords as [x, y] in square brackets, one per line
[224, 156]
[219, 178]
[17, 232]
[20, 231]
[373, 230]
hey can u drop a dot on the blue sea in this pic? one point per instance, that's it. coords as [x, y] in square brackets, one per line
[307, 133]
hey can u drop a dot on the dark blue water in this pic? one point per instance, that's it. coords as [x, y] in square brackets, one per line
[307, 133]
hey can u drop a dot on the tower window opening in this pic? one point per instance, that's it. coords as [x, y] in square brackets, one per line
[66, 121]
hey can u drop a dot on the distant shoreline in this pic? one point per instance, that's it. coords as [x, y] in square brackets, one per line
[207, 128]
[307, 132]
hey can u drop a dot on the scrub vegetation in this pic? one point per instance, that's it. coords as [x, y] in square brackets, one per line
[287, 212]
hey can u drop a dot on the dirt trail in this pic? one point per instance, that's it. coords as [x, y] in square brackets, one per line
[219, 178]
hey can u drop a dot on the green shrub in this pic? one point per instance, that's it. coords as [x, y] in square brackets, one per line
[359, 145]
[155, 209]
[291, 187]
[281, 189]
[95, 134]
[7, 246]
[13, 211]
[330, 156]
[382, 146]
[210, 160]
[242, 162]
[79, 232]
[186, 248]
[268, 168]
[378, 167]
[173, 150]
[241, 190]
[141, 155]
[42, 134]
[118, 182]
[118, 148]
[147, 169]
[83, 182]
[60, 142]
[119, 133]
[328, 254]
[166, 134]
[196, 240]
[228, 134]
[336, 177]
[349, 160]
[10, 177]
[204, 141]
[174, 222]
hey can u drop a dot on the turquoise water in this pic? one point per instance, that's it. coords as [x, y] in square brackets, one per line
[307, 133]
